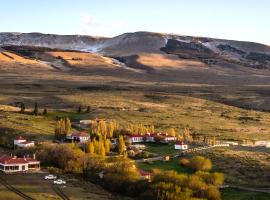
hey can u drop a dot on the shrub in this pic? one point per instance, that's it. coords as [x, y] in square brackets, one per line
[200, 163]
[184, 162]
[212, 193]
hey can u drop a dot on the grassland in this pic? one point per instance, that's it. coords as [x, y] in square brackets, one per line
[241, 166]
[234, 194]
[160, 109]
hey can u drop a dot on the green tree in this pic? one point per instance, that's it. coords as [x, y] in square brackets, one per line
[88, 109]
[45, 112]
[35, 112]
[79, 109]
[22, 108]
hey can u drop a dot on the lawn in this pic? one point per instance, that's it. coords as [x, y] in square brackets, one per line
[160, 149]
[173, 164]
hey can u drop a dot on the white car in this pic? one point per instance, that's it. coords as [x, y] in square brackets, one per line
[59, 182]
[50, 177]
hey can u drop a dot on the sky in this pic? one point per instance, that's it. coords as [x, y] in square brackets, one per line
[247, 20]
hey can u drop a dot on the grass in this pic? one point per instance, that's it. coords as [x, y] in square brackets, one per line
[173, 165]
[34, 127]
[160, 149]
[234, 194]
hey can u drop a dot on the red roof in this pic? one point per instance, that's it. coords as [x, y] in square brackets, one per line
[19, 138]
[6, 159]
[135, 135]
[80, 134]
[144, 173]
[180, 143]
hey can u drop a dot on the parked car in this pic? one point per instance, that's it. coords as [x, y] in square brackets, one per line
[50, 177]
[59, 182]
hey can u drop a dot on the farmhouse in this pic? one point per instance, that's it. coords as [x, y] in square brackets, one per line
[166, 138]
[12, 164]
[80, 137]
[23, 143]
[144, 175]
[150, 137]
[180, 146]
[136, 138]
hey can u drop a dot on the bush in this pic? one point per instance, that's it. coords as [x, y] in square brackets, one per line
[212, 193]
[184, 162]
[200, 163]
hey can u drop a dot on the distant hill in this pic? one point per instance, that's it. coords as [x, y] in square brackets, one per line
[207, 49]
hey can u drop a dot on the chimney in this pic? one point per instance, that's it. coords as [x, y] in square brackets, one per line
[34, 156]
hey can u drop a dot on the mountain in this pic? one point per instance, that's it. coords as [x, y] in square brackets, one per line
[130, 44]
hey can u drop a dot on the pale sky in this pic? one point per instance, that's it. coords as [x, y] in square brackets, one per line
[247, 20]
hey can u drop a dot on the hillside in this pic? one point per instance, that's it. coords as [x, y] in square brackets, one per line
[231, 72]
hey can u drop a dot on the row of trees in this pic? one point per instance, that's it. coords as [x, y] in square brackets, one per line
[99, 147]
[35, 110]
[105, 129]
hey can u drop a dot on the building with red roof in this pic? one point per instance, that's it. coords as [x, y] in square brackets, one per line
[12, 164]
[23, 143]
[180, 145]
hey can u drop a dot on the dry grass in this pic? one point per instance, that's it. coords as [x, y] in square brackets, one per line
[165, 61]
[242, 166]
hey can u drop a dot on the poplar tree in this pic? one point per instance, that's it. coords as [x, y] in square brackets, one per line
[121, 145]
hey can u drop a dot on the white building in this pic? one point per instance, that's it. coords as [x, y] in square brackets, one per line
[12, 164]
[262, 143]
[136, 138]
[180, 146]
[80, 137]
[23, 143]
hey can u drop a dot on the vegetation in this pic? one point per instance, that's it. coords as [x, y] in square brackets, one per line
[197, 163]
[62, 129]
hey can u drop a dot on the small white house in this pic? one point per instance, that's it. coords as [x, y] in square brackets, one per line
[23, 143]
[180, 146]
[262, 143]
[80, 137]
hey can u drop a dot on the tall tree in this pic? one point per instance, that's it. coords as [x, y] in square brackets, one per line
[22, 108]
[45, 112]
[121, 145]
[35, 112]
[88, 109]
[79, 109]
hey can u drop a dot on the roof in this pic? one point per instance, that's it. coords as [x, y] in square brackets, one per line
[180, 143]
[6, 159]
[135, 135]
[80, 134]
[144, 173]
[20, 138]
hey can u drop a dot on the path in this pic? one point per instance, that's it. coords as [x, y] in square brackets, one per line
[59, 192]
